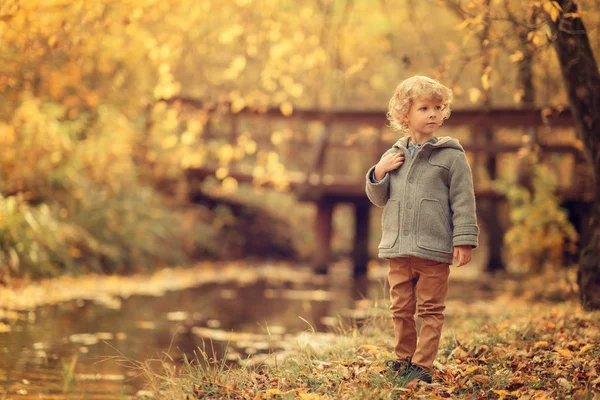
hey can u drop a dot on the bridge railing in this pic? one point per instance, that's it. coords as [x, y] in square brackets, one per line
[326, 154]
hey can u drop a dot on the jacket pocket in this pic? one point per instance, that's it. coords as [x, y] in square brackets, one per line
[433, 227]
[390, 225]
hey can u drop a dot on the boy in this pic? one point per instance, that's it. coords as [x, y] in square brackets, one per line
[425, 185]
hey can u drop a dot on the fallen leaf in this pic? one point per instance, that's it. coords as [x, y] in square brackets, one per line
[501, 393]
[371, 348]
[481, 379]
[565, 384]
[564, 352]
[459, 353]
[586, 348]
[471, 369]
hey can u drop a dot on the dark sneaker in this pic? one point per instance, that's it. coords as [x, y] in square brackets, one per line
[398, 366]
[422, 374]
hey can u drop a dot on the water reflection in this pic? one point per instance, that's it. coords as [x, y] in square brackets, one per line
[237, 320]
[243, 322]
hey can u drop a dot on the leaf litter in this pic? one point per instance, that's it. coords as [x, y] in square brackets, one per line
[516, 349]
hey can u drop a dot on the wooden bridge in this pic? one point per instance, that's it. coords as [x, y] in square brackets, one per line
[327, 154]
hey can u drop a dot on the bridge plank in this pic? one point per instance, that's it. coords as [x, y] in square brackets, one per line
[496, 117]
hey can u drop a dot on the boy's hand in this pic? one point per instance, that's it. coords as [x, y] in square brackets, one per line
[463, 255]
[387, 164]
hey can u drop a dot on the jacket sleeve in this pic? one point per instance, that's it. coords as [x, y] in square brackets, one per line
[462, 203]
[378, 191]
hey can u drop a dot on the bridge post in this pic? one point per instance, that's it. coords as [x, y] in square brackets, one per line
[323, 233]
[360, 251]
[488, 208]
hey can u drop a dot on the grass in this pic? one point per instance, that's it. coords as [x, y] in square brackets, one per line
[68, 373]
[544, 351]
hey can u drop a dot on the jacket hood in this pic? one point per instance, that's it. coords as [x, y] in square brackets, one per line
[442, 141]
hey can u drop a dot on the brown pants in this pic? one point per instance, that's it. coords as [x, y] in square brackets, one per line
[415, 281]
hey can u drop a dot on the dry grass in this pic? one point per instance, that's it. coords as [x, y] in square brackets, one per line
[516, 350]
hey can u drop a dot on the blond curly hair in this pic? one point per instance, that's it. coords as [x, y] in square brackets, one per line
[407, 91]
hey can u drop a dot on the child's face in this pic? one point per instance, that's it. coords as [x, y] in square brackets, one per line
[424, 116]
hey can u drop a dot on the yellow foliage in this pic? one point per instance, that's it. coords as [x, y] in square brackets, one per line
[222, 173]
[229, 184]
[474, 95]
[540, 231]
[287, 109]
[552, 8]
[89, 88]
[485, 79]
[238, 104]
[516, 56]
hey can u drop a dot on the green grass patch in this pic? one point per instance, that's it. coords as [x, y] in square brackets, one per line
[546, 351]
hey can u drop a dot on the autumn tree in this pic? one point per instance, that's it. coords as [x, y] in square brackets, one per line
[72, 198]
[93, 118]
[582, 81]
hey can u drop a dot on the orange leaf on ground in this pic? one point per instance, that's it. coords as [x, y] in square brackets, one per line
[481, 379]
[586, 348]
[564, 352]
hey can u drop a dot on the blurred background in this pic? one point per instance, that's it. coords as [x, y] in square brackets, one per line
[222, 147]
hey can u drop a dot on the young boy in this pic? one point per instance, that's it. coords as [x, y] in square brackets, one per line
[425, 185]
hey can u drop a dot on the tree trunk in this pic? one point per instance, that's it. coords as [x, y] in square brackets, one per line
[489, 207]
[529, 156]
[582, 80]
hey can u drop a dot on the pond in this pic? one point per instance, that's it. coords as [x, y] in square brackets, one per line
[82, 346]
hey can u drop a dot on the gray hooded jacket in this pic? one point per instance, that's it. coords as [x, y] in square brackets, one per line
[429, 202]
